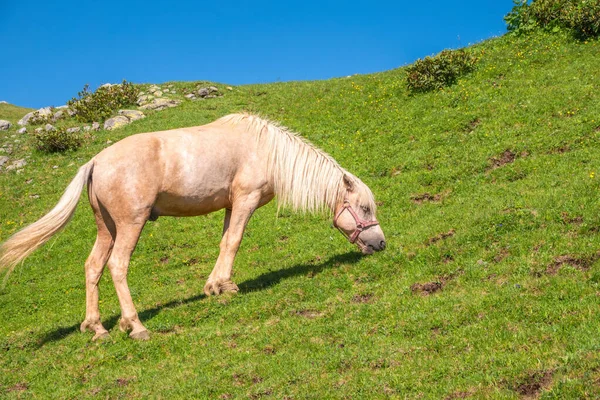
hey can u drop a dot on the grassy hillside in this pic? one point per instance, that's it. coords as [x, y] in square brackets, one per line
[489, 200]
[12, 113]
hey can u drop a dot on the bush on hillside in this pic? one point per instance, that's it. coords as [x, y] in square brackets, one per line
[104, 102]
[442, 70]
[582, 17]
[56, 140]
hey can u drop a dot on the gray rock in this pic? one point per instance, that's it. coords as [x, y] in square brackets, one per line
[74, 129]
[203, 92]
[158, 93]
[153, 89]
[3, 160]
[87, 128]
[229, 88]
[95, 126]
[213, 89]
[4, 125]
[42, 112]
[58, 115]
[190, 96]
[71, 112]
[22, 130]
[115, 122]
[132, 115]
[160, 104]
[49, 127]
[38, 130]
[18, 164]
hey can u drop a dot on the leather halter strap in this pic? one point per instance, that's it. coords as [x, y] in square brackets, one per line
[361, 224]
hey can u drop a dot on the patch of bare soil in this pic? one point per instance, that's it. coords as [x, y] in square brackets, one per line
[460, 395]
[441, 236]
[582, 263]
[428, 197]
[362, 298]
[474, 123]
[425, 289]
[19, 387]
[507, 157]
[562, 149]
[310, 314]
[534, 384]
[567, 219]
[502, 254]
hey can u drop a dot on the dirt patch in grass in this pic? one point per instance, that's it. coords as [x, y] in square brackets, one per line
[582, 263]
[362, 298]
[425, 289]
[567, 219]
[440, 236]
[428, 197]
[19, 387]
[472, 124]
[461, 394]
[501, 255]
[533, 384]
[507, 157]
[124, 381]
[561, 149]
[310, 314]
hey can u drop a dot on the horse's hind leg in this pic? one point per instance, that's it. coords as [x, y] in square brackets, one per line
[118, 264]
[94, 266]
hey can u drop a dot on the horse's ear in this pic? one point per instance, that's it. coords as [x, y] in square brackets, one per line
[349, 183]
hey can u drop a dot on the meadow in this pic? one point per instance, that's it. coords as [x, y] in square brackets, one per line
[489, 287]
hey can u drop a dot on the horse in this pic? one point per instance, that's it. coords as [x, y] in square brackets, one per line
[239, 163]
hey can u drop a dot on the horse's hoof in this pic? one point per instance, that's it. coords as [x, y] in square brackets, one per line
[228, 287]
[211, 288]
[141, 335]
[101, 336]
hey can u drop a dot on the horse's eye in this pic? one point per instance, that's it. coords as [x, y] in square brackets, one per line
[366, 209]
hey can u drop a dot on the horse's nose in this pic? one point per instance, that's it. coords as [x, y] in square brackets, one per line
[382, 245]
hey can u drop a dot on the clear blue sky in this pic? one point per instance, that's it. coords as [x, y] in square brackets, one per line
[51, 49]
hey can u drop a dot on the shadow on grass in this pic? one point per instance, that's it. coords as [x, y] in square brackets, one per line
[261, 282]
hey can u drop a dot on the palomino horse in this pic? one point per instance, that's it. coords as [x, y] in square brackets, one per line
[239, 162]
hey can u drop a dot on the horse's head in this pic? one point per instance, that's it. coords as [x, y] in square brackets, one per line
[355, 217]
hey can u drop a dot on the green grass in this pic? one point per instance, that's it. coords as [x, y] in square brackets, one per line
[314, 319]
[12, 113]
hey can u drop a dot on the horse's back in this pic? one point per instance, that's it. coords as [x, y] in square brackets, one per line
[187, 171]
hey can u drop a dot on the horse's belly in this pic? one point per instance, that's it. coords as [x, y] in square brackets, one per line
[174, 205]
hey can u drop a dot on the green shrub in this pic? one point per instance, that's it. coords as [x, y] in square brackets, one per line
[582, 17]
[442, 70]
[38, 119]
[57, 140]
[104, 102]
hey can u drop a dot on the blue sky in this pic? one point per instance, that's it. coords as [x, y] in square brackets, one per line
[51, 49]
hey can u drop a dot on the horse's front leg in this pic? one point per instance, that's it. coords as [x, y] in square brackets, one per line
[236, 219]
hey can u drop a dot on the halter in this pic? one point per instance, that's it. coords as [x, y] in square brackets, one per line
[361, 224]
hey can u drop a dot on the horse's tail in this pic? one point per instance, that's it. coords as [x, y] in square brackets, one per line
[24, 242]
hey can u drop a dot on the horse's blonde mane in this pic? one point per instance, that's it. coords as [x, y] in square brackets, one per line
[304, 177]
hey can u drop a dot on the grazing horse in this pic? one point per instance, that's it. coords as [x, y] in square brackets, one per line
[239, 162]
